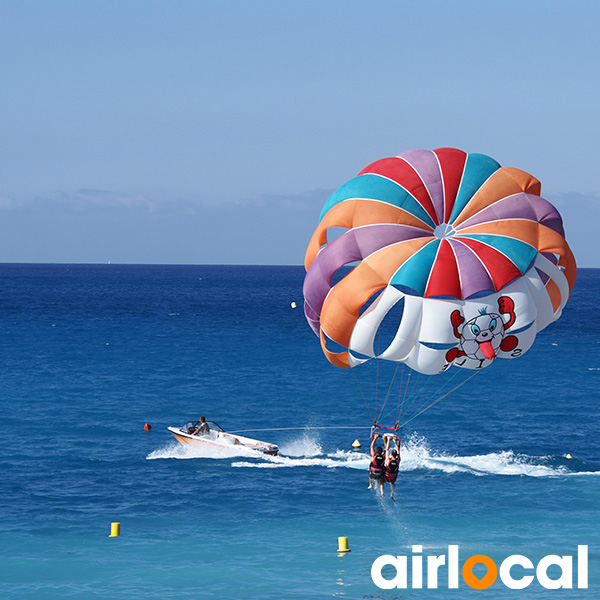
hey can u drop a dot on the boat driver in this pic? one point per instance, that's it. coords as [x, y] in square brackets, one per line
[202, 428]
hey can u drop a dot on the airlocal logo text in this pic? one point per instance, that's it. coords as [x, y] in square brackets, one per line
[516, 572]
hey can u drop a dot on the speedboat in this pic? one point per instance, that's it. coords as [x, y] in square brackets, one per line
[217, 438]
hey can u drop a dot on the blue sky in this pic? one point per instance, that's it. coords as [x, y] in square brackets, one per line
[213, 132]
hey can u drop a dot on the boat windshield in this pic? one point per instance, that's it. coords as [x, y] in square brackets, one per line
[214, 425]
[192, 425]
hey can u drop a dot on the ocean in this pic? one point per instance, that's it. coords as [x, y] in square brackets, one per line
[506, 464]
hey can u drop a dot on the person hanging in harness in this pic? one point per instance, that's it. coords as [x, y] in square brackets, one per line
[377, 466]
[392, 463]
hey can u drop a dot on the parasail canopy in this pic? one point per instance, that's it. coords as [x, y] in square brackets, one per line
[465, 254]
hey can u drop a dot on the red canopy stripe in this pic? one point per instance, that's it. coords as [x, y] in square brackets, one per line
[401, 172]
[501, 269]
[444, 279]
[452, 164]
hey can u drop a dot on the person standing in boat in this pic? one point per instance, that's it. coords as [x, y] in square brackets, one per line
[392, 464]
[202, 428]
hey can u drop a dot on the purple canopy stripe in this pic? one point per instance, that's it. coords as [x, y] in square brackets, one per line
[427, 167]
[354, 245]
[518, 206]
[473, 274]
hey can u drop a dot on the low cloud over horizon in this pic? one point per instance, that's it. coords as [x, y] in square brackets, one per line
[96, 226]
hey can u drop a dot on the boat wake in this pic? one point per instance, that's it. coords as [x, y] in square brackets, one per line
[418, 456]
[307, 451]
[178, 451]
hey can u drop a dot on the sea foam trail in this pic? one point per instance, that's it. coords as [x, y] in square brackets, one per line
[306, 451]
[179, 451]
[305, 446]
[417, 455]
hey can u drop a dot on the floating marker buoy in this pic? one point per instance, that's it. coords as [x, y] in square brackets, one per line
[568, 456]
[293, 305]
[115, 530]
[343, 545]
[356, 444]
[147, 427]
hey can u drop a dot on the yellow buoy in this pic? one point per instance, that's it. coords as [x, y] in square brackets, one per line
[293, 305]
[115, 530]
[568, 456]
[343, 544]
[356, 444]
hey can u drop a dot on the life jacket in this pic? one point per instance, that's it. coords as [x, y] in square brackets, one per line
[377, 466]
[391, 469]
[392, 466]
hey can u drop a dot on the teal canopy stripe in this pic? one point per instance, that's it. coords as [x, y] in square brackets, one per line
[375, 187]
[477, 171]
[519, 253]
[414, 273]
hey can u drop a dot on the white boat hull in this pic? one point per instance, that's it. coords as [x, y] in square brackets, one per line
[221, 440]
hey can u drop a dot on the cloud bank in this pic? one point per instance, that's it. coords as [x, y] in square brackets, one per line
[96, 226]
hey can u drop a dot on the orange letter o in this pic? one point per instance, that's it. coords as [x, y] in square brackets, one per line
[487, 580]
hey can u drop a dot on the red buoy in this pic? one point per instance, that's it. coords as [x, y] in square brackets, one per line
[147, 427]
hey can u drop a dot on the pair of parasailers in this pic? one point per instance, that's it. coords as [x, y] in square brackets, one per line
[384, 465]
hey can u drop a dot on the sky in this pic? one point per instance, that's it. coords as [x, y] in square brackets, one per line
[192, 132]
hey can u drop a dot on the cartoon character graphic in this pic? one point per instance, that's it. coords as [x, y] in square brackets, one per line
[482, 337]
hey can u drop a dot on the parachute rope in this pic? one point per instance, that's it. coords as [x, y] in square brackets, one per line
[404, 396]
[413, 392]
[297, 429]
[399, 392]
[416, 395]
[440, 398]
[388, 393]
[363, 395]
[377, 373]
[418, 390]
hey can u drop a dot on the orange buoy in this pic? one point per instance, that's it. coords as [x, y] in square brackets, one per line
[147, 427]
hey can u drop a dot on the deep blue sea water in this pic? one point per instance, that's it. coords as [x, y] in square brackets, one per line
[92, 352]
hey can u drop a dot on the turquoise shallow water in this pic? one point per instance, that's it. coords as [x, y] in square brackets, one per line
[90, 353]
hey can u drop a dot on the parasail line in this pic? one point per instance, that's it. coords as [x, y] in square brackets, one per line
[404, 397]
[399, 393]
[417, 395]
[296, 429]
[377, 372]
[440, 398]
[418, 390]
[363, 395]
[388, 393]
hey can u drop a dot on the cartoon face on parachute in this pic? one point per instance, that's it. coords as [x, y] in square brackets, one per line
[481, 336]
[472, 254]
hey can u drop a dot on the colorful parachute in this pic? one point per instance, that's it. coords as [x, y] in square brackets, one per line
[474, 257]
